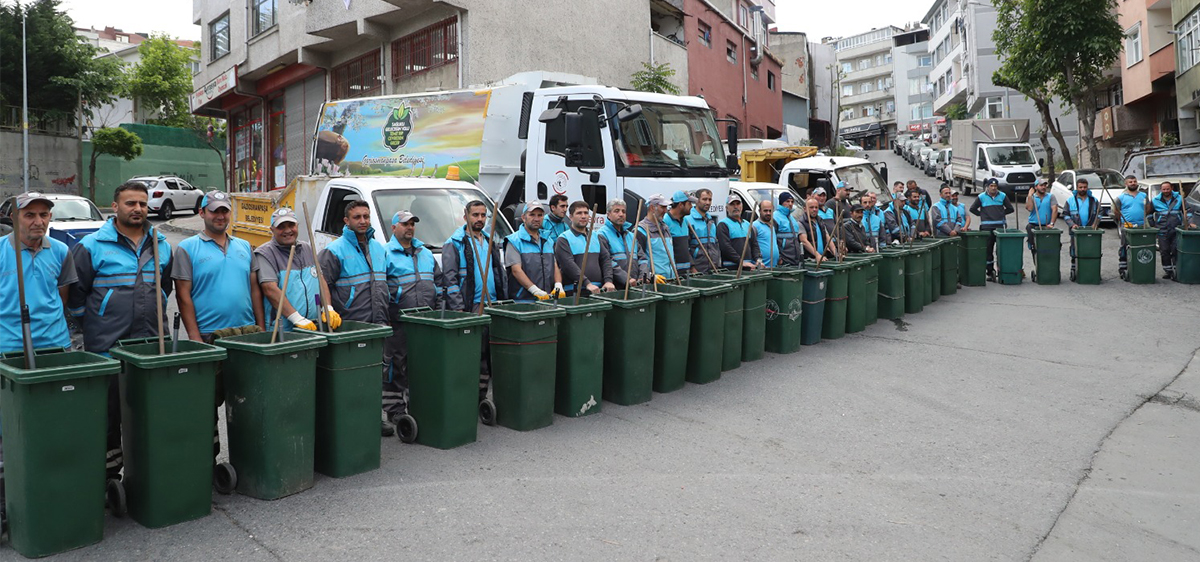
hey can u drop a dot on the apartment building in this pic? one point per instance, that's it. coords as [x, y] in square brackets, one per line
[914, 97]
[866, 83]
[1185, 16]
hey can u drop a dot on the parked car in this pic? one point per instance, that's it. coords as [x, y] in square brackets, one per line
[922, 157]
[898, 144]
[914, 149]
[72, 218]
[851, 146]
[1105, 184]
[170, 193]
[943, 164]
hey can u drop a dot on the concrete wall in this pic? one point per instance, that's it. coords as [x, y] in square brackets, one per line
[666, 51]
[1187, 82]
[53, 163]
[823, 104]
[165, 151]
[795, 111]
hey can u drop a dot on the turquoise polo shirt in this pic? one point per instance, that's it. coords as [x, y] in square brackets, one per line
[45, 271]
[220, 280]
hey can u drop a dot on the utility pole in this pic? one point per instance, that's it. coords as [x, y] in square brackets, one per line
[24, 103]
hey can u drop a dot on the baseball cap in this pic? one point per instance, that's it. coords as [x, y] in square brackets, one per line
[786, 196]
[992, 181]
[282, 215]
[819, 191]
[532, 206]
[24, 199]
[403, 216]
[842, 185]
[681, 197]
[734, 199]
[214, 200]
[658, 199]
[856, 208]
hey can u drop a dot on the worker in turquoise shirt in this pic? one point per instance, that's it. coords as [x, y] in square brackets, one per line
[48, 270]
[765, 233]
[1129, 212]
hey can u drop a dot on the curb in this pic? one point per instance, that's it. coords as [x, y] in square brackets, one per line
[167, 226]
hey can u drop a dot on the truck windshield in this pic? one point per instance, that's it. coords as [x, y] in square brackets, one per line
[667, 137]
[75, 210]
[863, 178]
[440, 211]
[1011, 156]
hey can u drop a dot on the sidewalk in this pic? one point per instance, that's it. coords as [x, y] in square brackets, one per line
[188, 225]
[1141, 498]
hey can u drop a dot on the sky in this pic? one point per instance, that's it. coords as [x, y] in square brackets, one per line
[817, 18]
[838, 18]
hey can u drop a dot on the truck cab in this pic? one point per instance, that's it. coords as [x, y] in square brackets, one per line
[1014, 166]
[860, 175]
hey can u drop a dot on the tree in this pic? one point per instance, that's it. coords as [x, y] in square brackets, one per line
[62, 67]
[956, 111]
[113, 141]
[1063, 46]
[212, 132]
[655, 78]
[162, 80]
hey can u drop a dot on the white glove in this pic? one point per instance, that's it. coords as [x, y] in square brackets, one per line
[301, 322]
[540, 294]
[559, 291]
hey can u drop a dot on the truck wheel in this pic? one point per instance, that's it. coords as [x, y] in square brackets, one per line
[196, 211]
[166, 210]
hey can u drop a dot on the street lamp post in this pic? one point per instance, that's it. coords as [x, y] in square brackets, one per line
[24, 105]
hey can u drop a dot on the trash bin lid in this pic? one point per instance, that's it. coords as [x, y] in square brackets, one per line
[586, 304]
[525, 311]
[675, 293]
[1010, 233]
[634, 301]
[447, 319]
[709, 287]
[57, 366]
[144, 354]
[352, 331]
[260, 343]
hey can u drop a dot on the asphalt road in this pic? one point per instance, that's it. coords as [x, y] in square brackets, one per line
[965, 432]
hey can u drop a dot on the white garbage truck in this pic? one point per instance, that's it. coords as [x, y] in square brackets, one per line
[985, 149]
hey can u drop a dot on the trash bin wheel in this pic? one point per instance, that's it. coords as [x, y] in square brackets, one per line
[224, 478]
[114, 497]
[1033, 277]
[406, 428]
[487, 412]
[1072, 276]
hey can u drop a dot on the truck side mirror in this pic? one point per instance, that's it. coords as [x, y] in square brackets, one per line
[574, 139]
[550, 115]
[1041, 162]
[731, 133]
[883, 172]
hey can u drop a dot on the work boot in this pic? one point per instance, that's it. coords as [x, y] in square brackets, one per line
[386, 429]
[991, 276]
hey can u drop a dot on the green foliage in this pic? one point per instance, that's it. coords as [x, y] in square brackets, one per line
[163, 80]
[61, 66]
[655, 78]
[956, 111]
[113, 141]
[1170, 139]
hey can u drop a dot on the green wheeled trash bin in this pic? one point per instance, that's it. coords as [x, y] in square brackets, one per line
[706, 341]
[672, 329]
[891, 282]
[754, 315]
[784, 305]
[167, 419]
[443, 374]
[579, 378]
[816, 287]
[837, 297]
[914, 279]
[629, 347]
[349, 400]
[270, 411]
[1047, 246]
[1187, 261]
[871, 293]
[950, 265]
[1010, 255]
[856, 296]
[972, 265]
[54, 420]
[932, 259]
[1142, 252]
[1087, 255]
[524, 348]
[735, 306]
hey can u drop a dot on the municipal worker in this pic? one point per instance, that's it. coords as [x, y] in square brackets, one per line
[1168, 216]
[1129, 212]
[824, 210]
[656, 248]
[270, 271]
[529, 257]
[115, 294]
[736, 238]
[840, 204]
[992, 207]
[1043, 213]
[413, 279]
[873, 222]
[787, 230]
[766, 235]
[964, 218]
[213, 285]
[853, 235]
[944, 215]
[814, 237]
[556, 221]
[618, 237]
[914, 216]
[48, 270]
[1080, 211]
[570, 250]
[673, 221]
[925, 197]
[355, 267]
[702, 226]
[466, 255]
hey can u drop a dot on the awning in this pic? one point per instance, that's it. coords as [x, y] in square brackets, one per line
[861, 131]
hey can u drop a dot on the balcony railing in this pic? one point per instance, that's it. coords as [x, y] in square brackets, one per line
[40, 121]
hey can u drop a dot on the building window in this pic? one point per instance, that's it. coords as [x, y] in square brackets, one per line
[864, 64]
[887, 58]
[878, 60]
[705, 33]
[1187, 40]
[925, 61]
[218, 36]
[995, 108]
[428, 48]
[358, 78]
[847, 68]
[864, 88]
[890, 107]
[868, 111]
[770, 80]
[756, 132]
[922, 111]
[1133, 45]
[744, 16]
[278, 147]
[848, 113]
[918, 86]
[731, 52]
[262, 15]
[847, 89]
[754, 72]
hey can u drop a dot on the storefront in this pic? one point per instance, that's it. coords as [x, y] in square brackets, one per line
[872, 136]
